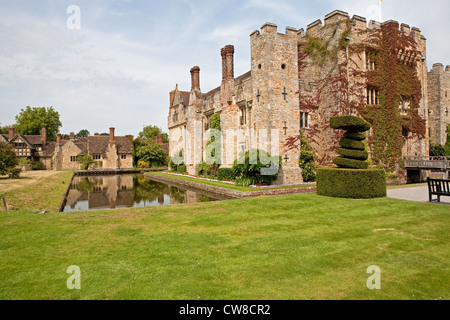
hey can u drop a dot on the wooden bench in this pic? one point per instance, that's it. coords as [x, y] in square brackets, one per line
[438, 187]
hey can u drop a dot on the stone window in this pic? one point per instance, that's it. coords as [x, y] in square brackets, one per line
[242, 115]
[371, 63]
[208, 122]
[73, 158]
[123, 156]
[175, 114]
[97, 157]
[304, 120]
[372, 96]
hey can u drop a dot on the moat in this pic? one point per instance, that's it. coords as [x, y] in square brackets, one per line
[125, 191]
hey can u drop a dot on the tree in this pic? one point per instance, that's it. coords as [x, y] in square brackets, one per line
[149, 154]
[8, 159]
[150, 132]
[84, 133]
[447, 144]
[32, 120]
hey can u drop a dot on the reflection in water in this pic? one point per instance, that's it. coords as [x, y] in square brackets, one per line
[124, 191]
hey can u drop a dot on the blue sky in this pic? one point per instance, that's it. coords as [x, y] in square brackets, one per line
[118, 68]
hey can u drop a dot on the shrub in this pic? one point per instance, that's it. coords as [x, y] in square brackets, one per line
[353, 154]
[37, 165]
[437, 150]
[182, 168]
[14, 172]
[205, 169]
[355, 136]
[349, 123]
[85, 161]
[306, 160]
[254, 167]
[350, 163]
[351, 183]
[352, 144]
[225, 174]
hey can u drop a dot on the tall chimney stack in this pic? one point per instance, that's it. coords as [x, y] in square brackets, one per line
[58, 138]
[44, 136]
[227, 62]
[111, 135]
[195, 78]
[12, 133]
[72, 136]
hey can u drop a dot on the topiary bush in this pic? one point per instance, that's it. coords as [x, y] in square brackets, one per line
[353, 150]
[351, 183]
[352, 178]
[225, 174]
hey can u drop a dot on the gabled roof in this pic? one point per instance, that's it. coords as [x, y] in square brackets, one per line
[99, 145]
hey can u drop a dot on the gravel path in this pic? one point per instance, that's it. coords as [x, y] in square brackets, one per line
[419, 194]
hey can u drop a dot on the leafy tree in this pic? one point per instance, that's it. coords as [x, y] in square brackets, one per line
[84, 133]
[8, 159]
[32, 120]
[150, 132]
[150, 154]
[4, 130]
[85, 161]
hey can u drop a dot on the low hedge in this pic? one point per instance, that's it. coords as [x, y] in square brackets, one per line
[351, 183]
[352, 144]
[353, 154]
[349, 123]
[225, 174]
[181, 168]
[350, 163]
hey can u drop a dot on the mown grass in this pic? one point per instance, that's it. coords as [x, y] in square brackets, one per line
[284, 247]
[45, 193]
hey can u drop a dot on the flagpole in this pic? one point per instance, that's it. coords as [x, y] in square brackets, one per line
[380, 11]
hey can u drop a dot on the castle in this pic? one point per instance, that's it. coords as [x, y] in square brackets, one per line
[298, 80]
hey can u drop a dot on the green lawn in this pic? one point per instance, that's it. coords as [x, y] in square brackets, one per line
[285, 247]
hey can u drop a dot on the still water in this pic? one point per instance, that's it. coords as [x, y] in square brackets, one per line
[125, 191]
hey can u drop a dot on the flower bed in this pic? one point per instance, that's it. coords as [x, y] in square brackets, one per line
[232, 182]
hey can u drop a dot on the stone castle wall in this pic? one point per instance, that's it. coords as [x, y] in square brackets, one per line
[439, 102]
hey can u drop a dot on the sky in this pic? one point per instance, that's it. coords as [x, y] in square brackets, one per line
[112, 63]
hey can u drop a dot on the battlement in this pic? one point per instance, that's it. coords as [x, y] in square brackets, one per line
[271, 28]
[357, 22]
[439, 68]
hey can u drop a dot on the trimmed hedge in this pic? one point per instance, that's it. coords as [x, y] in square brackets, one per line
[355, 136]
[351, 183]
[353, 154]
[350, 163]
[349, 123]
[352, 144]
[225, 174]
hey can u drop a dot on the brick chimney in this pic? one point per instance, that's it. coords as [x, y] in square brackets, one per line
[58, 138]
[44, 136]
[72, 136]
[159, 139]
[96, 134]
[111, 135]
[195, 78]
[227, 86]
[227, 62]
[12, 133]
